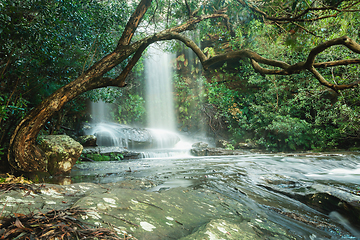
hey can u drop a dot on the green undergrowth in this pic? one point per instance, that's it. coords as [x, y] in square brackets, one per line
[104, 157]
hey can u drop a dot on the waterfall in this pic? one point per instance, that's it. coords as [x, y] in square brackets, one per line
[159, 89]
[196, 73]
[98, 111]
[161, 131]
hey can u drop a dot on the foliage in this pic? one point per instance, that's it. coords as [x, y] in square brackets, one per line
[45, 45]
[189, 103]
[103, 157]
[98, 157]
[11, 179]
[130, 110]
[288, 113]
[229, 146]
[279, 113]
[117, 157]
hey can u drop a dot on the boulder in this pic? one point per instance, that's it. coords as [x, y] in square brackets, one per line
[200, 145]
[62, 153]
[118, 135]
[87, 140]
[222, 143]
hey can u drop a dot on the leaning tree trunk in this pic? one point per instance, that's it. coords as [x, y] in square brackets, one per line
[23, 153]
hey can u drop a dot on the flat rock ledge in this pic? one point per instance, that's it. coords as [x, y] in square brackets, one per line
[179, 213]
[214, 152]
[107, 151]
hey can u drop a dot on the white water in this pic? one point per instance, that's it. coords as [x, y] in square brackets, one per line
[159, 99]
[98, 111]
[159, 90]
[159, 103]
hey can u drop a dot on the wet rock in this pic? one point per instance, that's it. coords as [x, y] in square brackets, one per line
[214, 152]
[200, 145]
[181, 213]
[323, 198]
[248, 145]
[62, 153]
[110, 151]
[87, 140]
[223, 229]
[112, 134]
[222, 143]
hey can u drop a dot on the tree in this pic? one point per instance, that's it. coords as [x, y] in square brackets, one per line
[43, 45]
[23, 154]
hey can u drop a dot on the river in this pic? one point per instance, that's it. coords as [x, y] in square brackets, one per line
[312, 195]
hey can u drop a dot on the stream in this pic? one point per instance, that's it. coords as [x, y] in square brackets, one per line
[314, 196]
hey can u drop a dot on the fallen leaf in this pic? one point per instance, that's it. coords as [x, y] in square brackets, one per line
[18, 223]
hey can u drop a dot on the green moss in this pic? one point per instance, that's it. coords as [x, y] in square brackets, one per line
[98, 157]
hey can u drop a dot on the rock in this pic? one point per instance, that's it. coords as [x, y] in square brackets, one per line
[323, 198]
[87, 140]
[62, 153]
[222, 143]
[110, 151]
[242, 145]
[223, 229]
[113, 134]
[200, 145]
[179, 212]
[214, 152]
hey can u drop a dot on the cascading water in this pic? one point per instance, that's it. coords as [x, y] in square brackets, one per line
[107, 134]
[159, 97]
[159, 90]
[98, 110]
[160, 133]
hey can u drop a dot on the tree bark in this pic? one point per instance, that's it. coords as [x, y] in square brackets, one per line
[24, 155]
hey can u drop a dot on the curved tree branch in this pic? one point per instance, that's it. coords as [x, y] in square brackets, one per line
[133, 22]
[188, 8]
[23, 153]
[298, 17]
[287, 69]
[191, 44]
[244, 54]
[336, 63]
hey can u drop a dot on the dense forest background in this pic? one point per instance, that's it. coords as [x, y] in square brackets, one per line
[46, 44]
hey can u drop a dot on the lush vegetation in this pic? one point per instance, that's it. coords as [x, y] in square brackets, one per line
[279, 113]
[43, 46]
[46, 44]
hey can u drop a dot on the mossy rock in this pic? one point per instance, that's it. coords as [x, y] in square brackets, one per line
[62, 153]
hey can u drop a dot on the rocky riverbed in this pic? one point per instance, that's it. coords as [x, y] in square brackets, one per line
[254, 196]
[179, 213]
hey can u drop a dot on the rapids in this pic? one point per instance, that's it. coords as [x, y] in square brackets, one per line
[295, 190]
